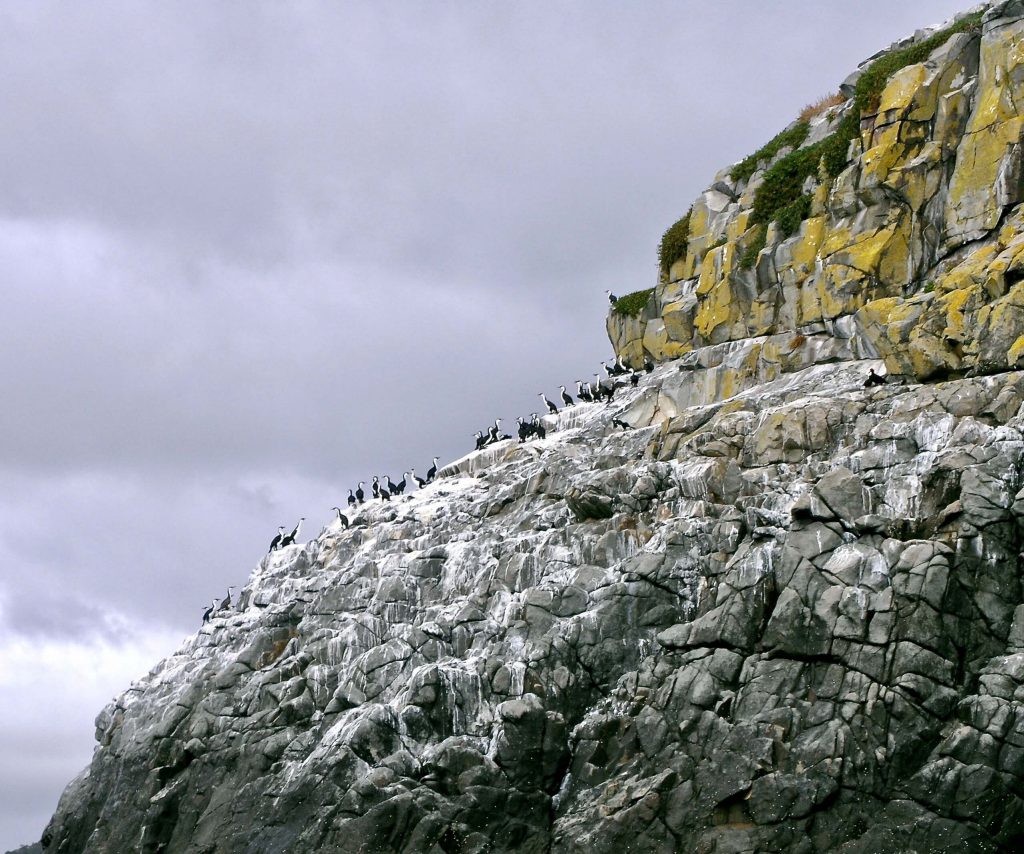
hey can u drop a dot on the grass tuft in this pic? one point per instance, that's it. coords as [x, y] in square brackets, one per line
[818, 107]
[632, 304]
[674, 242]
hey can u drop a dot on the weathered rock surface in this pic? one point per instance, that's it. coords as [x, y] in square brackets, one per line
[783, 612]
[790, 620]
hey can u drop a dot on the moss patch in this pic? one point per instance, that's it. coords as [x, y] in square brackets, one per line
[632, 304]
[674, 243]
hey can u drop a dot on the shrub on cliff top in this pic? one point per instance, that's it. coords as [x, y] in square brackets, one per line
[673, 243]
[632, 304]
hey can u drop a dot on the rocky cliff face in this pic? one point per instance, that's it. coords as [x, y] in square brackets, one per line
[917, 242]
[782, 612]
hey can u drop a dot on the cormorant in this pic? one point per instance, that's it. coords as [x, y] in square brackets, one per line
[351, 499]
[225, 603]
[634, 378]
[360, 495]
[341, 517]
[375, 487]
[612, 299]
[551, 407]
[432, 471]
[481, 440]
[290, 538]
[618, 422]
[209, 611]
[583, 393]
[874, 379]
[276, 542]
[648, 366]
[420, 482]
[566, 397]
[538, 427]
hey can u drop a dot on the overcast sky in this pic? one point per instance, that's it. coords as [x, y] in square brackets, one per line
[252, 253]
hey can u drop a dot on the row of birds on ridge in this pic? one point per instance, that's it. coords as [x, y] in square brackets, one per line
[586, 392]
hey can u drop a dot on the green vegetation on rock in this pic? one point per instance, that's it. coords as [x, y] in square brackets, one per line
[781, 197]
[749, 256]
[632, 304]
[791, 137]
[674, 242]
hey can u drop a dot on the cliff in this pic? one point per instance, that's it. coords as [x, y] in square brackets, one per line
[781, 612]
[897, 212]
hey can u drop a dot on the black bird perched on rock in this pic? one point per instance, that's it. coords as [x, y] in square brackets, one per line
[612, 299]
[420, 482]
[209, 611]
[618, 422]
[375, 487]
[481, 440]
[383, 493]
[390, 486]
[583, 393]
[566, 397]
[276, 542]
[289, 539]
[634, 378]
[225, 603]
[494, 432]
[648, 366]
[525, 430]
[551, 407]
[874, 379]
[351, 499]
[360, 495]
[402, 484]
[341, 517]
[538, 427]
[432, 471]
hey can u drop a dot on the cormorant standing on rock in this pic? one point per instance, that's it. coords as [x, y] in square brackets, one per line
[612, 299]
[583, 393]
[648, 366]
[351, 499]
[432, 471]
[634, 378]
[874, 379]
[225, 603]
[525, 430]
[341, 517]
[209, 611]
[618, 422]
[360, 495]
[375, 487]
[401, 485]
[481, 440]
[566, 397]
[276, 542]
[551, 407]
[538, 427]
[494, 432]
[420, 482]
[289, 540]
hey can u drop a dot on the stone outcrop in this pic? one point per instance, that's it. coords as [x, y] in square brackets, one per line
[782, 612]
[919, 241]
[790, 620]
